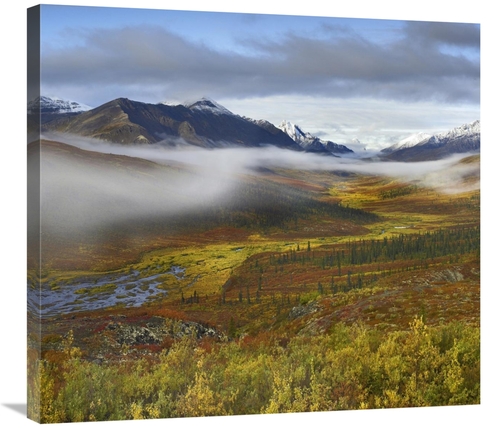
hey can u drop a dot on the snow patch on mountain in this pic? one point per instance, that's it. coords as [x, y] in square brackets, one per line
[55, 105]
[466, 130]
[209, 105]
[410, 141]
[296, 134]
[259, 122]
[309, 142]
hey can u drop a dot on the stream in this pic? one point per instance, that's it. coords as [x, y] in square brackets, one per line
[83, 294]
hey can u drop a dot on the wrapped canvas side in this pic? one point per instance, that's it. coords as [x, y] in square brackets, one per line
[34, 267]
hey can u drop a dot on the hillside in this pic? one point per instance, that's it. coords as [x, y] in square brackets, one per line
[200, 124]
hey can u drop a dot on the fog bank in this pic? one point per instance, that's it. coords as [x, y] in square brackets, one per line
[78, 194]
[440, 174]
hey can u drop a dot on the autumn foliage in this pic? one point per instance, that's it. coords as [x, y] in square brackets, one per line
[350, 367]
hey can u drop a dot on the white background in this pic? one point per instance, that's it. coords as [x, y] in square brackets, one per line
[13, 209]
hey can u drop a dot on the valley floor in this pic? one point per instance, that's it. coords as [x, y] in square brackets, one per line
[373, 305]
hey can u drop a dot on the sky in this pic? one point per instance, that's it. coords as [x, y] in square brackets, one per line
[376, 81]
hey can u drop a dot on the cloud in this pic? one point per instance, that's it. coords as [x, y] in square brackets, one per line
[444, 33]
[156, 62]
[82, 192]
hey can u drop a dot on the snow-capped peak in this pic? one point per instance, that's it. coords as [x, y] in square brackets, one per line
[467, 129]
[207, 104]
[295, 133]
[309, 142]
[408, 142]
[56, 105]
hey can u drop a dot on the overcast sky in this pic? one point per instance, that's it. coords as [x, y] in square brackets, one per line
[377, 81]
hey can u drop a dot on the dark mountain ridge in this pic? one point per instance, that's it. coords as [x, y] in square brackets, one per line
[203, 124]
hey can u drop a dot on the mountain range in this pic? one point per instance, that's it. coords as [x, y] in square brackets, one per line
[421, 147]
[205, 123]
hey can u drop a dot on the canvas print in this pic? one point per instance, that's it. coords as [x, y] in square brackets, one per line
[235, 214]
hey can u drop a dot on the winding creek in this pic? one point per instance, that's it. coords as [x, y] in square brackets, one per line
[86, 294]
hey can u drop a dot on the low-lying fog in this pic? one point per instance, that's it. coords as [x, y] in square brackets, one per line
[76, 195]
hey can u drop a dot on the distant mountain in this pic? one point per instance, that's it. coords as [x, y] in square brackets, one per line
[422, 147]
[408, 142]
[43, 110]
[48, 105]
[202, 123]
[310, 143]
